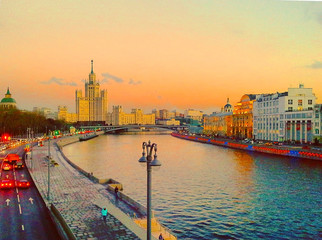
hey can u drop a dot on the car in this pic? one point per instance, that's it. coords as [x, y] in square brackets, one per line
[7, 183]
[18, 165]
[12, 158]
[6, 167]
[23, 183]
[268, 144]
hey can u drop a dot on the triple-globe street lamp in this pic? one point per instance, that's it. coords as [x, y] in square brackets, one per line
[149, 163]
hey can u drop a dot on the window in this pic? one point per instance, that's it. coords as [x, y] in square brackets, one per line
[310, 108]
[290, 108]
[290, 101]
[309, 101]
[299, 102]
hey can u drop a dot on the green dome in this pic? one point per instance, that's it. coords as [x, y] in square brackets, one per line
[8, 100]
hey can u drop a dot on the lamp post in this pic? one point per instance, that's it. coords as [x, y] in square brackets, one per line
[149, 163]
[48, 194]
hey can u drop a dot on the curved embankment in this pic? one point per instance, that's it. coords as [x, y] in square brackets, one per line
[139, 209]
[282, 151]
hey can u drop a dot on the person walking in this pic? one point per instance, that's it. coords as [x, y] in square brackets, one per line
[104, 214]
[116, 190]
[161, 237]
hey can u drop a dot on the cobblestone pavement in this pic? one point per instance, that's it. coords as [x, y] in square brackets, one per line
[74, 195]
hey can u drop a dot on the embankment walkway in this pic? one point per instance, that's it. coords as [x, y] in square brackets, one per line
[79, 200]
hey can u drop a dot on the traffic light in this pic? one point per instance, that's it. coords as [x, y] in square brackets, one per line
[5, 137]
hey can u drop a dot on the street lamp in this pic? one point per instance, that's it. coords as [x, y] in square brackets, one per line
[149, 163]
[49, 158]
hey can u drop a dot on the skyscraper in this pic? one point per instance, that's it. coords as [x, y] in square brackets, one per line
[93, 106]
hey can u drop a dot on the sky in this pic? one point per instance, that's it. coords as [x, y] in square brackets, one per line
[172, 54]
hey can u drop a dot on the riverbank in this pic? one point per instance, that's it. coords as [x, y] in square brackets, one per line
[131, 209]
[278, 150]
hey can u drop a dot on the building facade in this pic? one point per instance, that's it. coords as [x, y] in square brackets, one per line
[93, 106]
[8, 102]
[119, 117]
[317, 122]
[268, 116]
[242, 126]
[46, 112]
[193, 114]
[220, 123]
[64, 115]
[169, 122]
[285, 116]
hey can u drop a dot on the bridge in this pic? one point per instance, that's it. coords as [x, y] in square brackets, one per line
[125, 128]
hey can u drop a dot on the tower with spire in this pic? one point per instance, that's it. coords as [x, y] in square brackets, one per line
[92, 106]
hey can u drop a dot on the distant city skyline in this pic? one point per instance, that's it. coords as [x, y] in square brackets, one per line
[163, 55]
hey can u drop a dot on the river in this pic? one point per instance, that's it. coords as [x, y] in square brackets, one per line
[207, 192]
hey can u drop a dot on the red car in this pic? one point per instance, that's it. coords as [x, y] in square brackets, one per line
[6, 184]
[23, 183]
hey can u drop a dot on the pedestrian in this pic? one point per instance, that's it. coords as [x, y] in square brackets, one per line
[104, 214]
[161, 237]
[116, 190]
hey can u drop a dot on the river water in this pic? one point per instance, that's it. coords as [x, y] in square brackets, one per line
[203, 191]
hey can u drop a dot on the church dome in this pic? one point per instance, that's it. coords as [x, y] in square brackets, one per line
[228, 107]
[8, 100]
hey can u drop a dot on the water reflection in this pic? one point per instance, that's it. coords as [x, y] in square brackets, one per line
[209, 192]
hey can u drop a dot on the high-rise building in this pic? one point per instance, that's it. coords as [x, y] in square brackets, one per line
[93, 106]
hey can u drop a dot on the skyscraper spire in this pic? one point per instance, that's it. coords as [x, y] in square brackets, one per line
[92, 66]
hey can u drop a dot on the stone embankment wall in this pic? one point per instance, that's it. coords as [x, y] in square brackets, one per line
[283, 151]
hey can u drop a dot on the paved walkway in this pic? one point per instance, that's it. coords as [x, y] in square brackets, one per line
[79, 200]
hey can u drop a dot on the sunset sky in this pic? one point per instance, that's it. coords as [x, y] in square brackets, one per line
[173, 54]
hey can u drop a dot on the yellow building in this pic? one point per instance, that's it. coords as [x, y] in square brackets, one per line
[118, 117]
[169, 122]
[93, 106]
[243, 117]
[64, 115]
[219, 123]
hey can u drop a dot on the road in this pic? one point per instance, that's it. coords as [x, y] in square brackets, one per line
[23, 214]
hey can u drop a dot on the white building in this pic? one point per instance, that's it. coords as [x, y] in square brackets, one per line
[268, 112]
[284, 116]
[317, 122]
